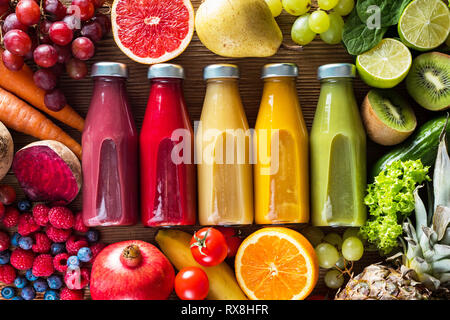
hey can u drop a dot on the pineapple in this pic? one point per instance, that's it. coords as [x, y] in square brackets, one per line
[379, 282]
[425, 263]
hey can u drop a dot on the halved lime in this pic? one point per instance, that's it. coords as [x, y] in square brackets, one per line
[424, 24]
[386, 65]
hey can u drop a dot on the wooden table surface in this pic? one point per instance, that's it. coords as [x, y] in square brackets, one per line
[194, 59]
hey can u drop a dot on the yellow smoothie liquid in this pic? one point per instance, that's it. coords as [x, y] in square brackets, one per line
[338, 152]
[281, 149]
[225, 188]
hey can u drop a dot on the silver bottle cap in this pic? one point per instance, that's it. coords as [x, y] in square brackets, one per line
[279, 70]
[336, 70]
[109, 69]
[221, 71]
[165, 70]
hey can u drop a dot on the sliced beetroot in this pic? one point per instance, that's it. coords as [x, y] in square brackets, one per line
[48, 171]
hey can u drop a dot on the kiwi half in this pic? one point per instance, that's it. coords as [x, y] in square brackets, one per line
[428, 81]
[388, 117]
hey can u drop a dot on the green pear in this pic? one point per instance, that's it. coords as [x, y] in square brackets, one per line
[238, 28]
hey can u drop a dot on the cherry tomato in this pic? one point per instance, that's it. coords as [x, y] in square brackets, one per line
[209, 247]
[191, 283]
[232, 239]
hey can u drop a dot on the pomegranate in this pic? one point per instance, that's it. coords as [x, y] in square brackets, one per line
[131, 270]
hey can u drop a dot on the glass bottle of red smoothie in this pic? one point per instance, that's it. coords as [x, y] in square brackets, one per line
[110, 151]
[168, 177]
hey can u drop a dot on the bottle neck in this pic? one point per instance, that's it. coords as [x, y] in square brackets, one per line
[160, 83]
[104, 83]
[337, 82]
[282, 83]
[337, 94]
[222, 84]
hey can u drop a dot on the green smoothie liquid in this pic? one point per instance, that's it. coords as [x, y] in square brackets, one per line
[338, 157]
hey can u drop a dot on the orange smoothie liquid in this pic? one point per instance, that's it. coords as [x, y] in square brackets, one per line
[281, 150]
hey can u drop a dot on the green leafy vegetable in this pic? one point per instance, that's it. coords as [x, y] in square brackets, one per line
[357, 37]
[390, 200]
[390, 11]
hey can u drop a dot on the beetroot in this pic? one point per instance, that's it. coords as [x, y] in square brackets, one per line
[48, 171]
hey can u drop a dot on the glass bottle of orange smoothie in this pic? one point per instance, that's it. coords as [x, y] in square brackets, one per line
[281, 150]
[223, 142]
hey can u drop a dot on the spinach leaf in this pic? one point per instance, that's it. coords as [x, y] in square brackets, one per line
[390, 10]
[357, 37]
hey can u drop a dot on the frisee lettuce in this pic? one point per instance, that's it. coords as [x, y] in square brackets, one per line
[390, 200]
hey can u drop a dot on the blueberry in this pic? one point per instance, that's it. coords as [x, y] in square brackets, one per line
[28, 293]
[57, 248]
[4, 257]
[24, 205]
[26, 243]
[84, 254]
[54, 282]
[92, 236]
[51, 295]
[8, 292]
[20, 282]
[17, 298]
[30, 276]
[40, 285]
[15, 239]
[73, 261]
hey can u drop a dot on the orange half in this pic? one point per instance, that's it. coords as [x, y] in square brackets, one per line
[152, 31]
[276, 263]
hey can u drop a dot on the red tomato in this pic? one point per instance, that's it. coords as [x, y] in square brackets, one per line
[232, 239]
[209, 247]
[191, 283]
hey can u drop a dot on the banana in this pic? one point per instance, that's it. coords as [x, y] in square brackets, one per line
[222, 281]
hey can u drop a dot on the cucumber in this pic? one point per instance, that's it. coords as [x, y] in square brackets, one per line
[422, 145]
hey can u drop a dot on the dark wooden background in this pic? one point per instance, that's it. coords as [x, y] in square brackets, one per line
[194, 59]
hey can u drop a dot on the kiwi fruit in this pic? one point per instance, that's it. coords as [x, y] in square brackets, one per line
[428, 81]
[387, 116]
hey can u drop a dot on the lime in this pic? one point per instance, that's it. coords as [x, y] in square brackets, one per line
[424, 24]
[386, 65]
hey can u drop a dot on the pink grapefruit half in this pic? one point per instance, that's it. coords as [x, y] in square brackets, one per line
[152, 31]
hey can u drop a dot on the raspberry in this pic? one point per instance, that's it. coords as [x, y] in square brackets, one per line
[2, 211]
[27, 225]
[42, 243]
[76, 278]
[7, 274]
[60, 262]
[96, 248]
[75, 243]
[61, 217]
[58, 235]
[4, 241]
[22, 259]
[67, 294]
[11, 218]
[79, 223]
[43, 266]
[40, 214]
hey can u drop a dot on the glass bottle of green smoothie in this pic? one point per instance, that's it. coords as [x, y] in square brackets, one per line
[338, 151]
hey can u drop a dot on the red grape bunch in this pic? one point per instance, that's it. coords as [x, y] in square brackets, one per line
[56, 37]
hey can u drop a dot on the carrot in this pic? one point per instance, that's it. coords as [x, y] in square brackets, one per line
[18, 115]
[21, 84]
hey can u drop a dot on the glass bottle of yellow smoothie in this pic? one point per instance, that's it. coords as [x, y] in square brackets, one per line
[223, 150]
[338, 151]
[281, 150]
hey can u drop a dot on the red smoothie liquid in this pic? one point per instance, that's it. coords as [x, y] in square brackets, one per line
[110, 157]
[168, 188]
